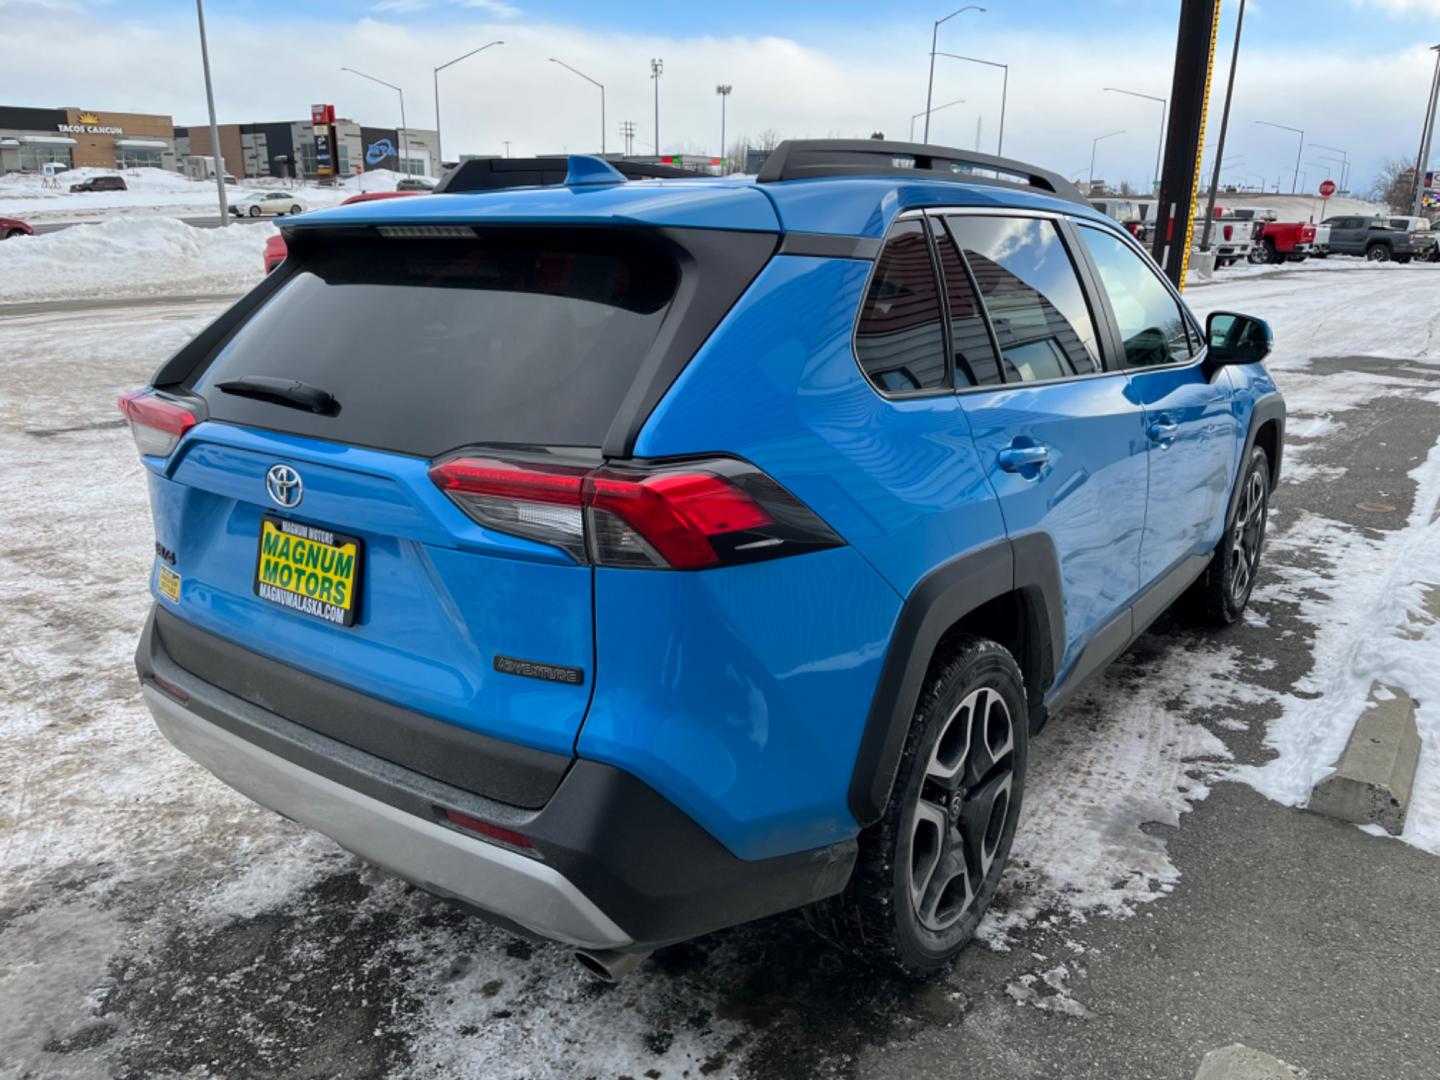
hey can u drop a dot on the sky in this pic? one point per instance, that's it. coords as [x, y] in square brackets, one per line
[1353, 74]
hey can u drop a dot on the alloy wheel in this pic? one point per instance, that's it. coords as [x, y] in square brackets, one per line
[1245, 542]
[964, 800]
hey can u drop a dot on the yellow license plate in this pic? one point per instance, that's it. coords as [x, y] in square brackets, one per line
[308, 569]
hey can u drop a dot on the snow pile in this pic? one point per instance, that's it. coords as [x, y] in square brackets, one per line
[149, 256]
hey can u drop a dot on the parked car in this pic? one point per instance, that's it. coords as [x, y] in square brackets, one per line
[1419, 225]
[1320, 246]
[414, 183]
[1373, 238]
[11, 227]
[1230, 238]
[100, 183]
[275, 245]
[1276, 241]
[267, 204]
[641, 564]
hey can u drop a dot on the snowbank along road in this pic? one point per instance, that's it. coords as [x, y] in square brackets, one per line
[1164, 897]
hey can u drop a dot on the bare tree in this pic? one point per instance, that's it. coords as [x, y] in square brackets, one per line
[1394, 186]
[768, 140]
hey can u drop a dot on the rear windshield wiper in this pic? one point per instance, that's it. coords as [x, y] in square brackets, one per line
[289, 392]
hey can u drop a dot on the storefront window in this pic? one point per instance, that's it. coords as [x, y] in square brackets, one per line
[344, 158]
[135, 157]
[35, 155]
[307, 158]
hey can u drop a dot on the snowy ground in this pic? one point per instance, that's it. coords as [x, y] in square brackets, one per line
[155, 191]
[154, 923]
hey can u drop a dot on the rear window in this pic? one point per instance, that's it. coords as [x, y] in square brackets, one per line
[425, 345]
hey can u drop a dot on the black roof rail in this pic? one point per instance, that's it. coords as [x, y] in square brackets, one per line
[799, 159]
[496, 174]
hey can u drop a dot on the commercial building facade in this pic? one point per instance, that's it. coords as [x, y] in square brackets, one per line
[278, 148]
[75, 138]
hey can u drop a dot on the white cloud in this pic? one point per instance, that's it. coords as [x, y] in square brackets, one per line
[497, 8]
[400, 7]
[1399, 7]
[859, 79]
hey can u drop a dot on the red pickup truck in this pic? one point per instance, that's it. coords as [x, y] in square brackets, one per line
[1276, 241]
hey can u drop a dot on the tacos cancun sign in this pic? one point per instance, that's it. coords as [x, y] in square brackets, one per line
[89, 125]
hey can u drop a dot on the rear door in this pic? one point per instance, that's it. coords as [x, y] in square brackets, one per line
[1190, 427]
[326, 408]
[1061, 439]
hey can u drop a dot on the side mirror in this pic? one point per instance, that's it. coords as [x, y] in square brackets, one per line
[1237, 339]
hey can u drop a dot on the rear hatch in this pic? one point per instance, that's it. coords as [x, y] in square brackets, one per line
[325, 409]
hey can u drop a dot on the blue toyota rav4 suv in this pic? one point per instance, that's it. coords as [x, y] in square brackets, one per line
[627, 560]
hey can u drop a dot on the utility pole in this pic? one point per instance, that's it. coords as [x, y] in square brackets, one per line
[1426, 135]
[627, 132]
[1224, 128]
[439, 146]
[657, 67]
[724, 91]
[219, 159]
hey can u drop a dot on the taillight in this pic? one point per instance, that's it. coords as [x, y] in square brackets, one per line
[678, 516]
[1229, 231]
[484, 828]
[157, 422]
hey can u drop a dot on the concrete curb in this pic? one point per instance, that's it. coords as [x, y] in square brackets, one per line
[1372, 780]
[1239, 1062]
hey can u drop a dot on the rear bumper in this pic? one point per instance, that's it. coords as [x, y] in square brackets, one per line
[614, 865]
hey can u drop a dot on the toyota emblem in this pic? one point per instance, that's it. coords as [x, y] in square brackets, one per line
[284, 486]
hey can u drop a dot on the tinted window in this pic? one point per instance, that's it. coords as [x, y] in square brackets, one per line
[1151, 324]
[899, 339]
[1031, 293]
[975, 362]
[526, 337]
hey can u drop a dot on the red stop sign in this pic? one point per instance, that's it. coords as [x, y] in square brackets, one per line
[1327, 188]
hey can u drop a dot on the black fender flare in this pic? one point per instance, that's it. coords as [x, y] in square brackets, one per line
[1268, 408]
[1027, 566]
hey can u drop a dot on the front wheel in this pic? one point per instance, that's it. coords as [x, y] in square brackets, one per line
[928, 869]
[295, 209]
[255, 211]
[1224, 589]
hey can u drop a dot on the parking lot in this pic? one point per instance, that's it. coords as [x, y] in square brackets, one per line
[1163, 899]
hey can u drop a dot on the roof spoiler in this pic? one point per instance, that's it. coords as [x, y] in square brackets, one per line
[497, 174]
[799, 159]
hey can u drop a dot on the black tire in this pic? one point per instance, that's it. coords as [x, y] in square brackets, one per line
[1403, 259]
[1218, 597]
[1260, 254]
[878, 917]
[1298, 258]
[1320, 254]
[295, 209]
[1377, 253]
[254, 211]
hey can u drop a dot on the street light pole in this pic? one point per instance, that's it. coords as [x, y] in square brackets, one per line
[724, 91]
[1432, 107]
[594, 82]
[1004, 92]
[657, 68]
[934, 44]
[1344, 160]
[1295, 182]
[957, 101]
[1095, 146]
[219, 159]
[400, 151]
[1164, 109]
[1224, 129]
[439, 146]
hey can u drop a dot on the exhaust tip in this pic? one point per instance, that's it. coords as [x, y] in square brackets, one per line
[608, 965]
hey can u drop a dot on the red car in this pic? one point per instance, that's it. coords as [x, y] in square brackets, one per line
[275, 246]
[10, 226]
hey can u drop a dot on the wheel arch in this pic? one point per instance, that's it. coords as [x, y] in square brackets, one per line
[1010, 592]
[1267, 431]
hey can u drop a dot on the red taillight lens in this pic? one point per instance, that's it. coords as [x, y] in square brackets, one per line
[1229, 232]
[157, 423]
[484, 828]
[686, 516]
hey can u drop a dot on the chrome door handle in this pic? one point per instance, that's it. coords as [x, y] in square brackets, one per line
[1016, 458]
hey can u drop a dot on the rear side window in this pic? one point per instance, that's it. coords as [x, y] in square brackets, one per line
[899, 340]
[1152, 326]
[525, 337]
[1032, 294]
[975, 360]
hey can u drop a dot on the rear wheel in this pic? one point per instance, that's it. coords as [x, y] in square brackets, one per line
[295, 209]
[1402, 259]
[1377, 253]
[1259, 254]
[930, 866]
[1224, 588]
